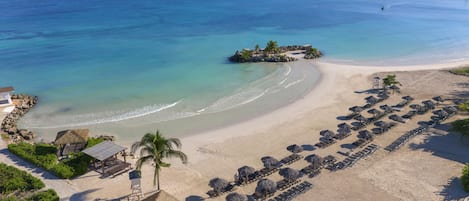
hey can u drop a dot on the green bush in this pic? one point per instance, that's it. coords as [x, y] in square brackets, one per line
[10, 198]
[63, 171]
[465, 177]
[42, 157]
[13, 179]
[49, 195]
[93, 141]
[45, 156]
[78, 162]
[461, 71]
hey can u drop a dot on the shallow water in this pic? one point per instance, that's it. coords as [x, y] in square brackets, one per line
[129, 67]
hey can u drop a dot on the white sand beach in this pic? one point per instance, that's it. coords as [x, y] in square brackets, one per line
[425, 169]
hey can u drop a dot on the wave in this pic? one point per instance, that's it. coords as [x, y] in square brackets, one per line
[294, 83]
[288, 71]
[140, 112]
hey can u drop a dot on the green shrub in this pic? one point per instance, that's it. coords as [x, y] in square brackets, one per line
[10, 198]
[13, 179]
[465, 177]
[461, 71]
[44, 156]
[93, 141]
[49, 195]
[78, 162]
[63, 171]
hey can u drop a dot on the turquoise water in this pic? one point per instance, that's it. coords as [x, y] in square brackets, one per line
[113, 65]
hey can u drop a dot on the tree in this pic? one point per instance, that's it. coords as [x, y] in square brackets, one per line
[154, 147]
[271, 47]
[257, 48]
[461, 126]
[390, 80]
[465, 177]
[464, 106]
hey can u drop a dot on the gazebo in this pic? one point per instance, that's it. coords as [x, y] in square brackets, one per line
[105, 155]
[71, 141]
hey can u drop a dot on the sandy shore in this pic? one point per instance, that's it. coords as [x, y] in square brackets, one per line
[426, 170]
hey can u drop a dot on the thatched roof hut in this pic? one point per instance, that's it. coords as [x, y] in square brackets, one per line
[71, 136]
[270, 162]
[294, 148]
[160, 196]
[290, 174]
[218, 184]
[236, 197]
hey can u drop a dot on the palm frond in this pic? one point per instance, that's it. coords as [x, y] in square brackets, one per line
[177, 154]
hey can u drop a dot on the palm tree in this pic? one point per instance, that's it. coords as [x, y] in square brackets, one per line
[154, 147]
[390, 80]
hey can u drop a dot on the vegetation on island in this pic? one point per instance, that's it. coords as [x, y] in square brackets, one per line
[155, 148]
[45, 156]
[17, 184]
[465, 178]
[461, 71]
[273, 53]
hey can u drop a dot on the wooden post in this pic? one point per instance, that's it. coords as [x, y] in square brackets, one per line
[102, 166]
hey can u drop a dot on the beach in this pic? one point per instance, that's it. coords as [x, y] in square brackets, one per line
[411, 173]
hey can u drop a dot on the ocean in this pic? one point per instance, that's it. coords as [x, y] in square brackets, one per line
[130, 67]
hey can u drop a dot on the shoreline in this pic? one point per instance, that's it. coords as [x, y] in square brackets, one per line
[293, 109]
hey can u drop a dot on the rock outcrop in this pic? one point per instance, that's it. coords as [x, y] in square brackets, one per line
[9, 125]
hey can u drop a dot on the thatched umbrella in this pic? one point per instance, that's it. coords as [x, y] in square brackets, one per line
[344, 130]
[315, 160]
[343, 125]
[365, 134]
[450, 109]
[394, 88]
[236, 197]
[381, 124]
[415, 106]
[218, 184]
[360, 118]
[440, 113]
[294, 148]
[386, 108]
[245, 171]
[408, 98]
[438, 99]
[429, 104]
[270, 162]
[356, 109]
[327, 133]
[371, 100]
[396, 117]
[290, 174]
[373, 111]
[266, 186]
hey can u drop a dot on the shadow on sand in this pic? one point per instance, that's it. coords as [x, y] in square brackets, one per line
[194, 198]
[436, 143]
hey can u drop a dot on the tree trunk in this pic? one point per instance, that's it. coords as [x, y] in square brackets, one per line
[157, 179]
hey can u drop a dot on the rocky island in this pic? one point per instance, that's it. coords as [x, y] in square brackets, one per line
[273, 53]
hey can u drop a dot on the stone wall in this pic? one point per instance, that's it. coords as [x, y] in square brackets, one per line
[9, 125]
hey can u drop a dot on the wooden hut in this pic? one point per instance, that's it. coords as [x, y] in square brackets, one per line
[71, 141]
